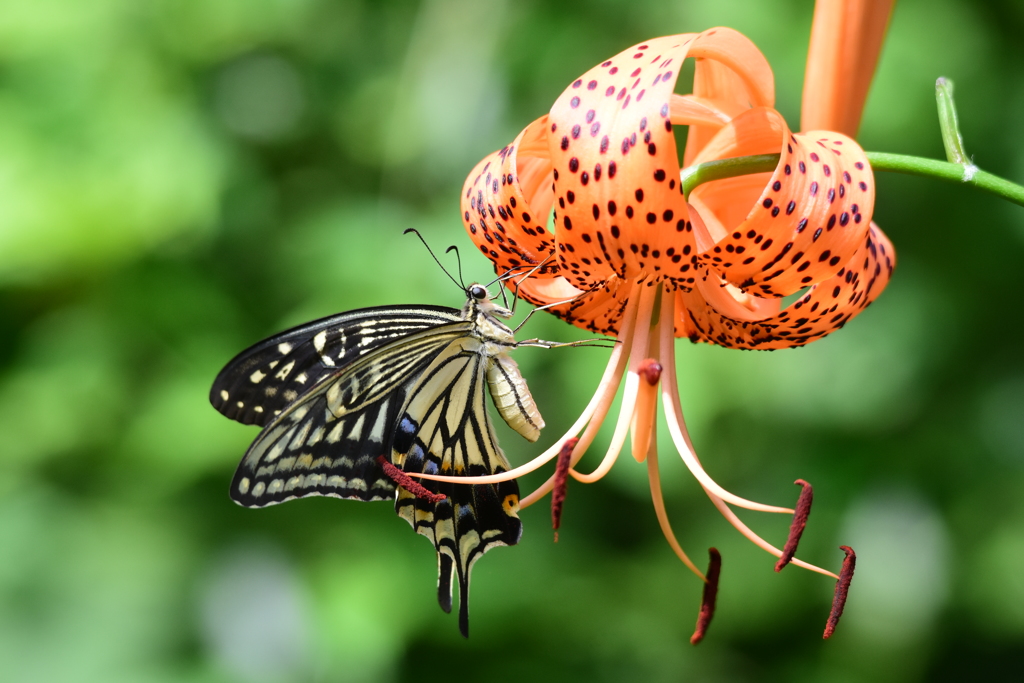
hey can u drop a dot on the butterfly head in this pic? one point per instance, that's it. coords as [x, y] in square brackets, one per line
[479, 301]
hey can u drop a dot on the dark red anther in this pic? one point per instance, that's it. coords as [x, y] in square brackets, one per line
[796, 529]
[842, 590]
[650, 370]
[408, 483]
[561, 481]
[707, 603]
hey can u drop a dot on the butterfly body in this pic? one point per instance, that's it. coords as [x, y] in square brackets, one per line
[406, 383]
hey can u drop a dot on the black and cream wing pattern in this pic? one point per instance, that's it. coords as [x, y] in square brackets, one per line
[344, 399]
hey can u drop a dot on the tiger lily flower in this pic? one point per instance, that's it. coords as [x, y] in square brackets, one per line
[630, 256]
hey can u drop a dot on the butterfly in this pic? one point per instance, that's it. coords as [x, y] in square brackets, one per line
[352, 404]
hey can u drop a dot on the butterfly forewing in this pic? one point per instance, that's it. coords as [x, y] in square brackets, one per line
[260, 382]
[327, 441]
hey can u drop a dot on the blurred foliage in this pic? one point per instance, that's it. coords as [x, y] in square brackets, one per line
[179, 178]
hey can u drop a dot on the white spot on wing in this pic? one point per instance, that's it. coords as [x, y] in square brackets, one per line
[276, 451]
[300, 436]
[377, 433]
[335, 435]
[357, 429]
[284, 348]
[257, 376]
[243, 485]
[223, 395]
[285, 371]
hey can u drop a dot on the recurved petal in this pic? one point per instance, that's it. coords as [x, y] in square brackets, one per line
[731, 73]
[824, 308]
[598, 310]
[506, 201]
[619, 206]
[808, 218]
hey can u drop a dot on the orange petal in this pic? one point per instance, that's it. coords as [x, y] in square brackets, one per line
[846, 39]
[686, 110]
[599, 310]
[506, 201]
[734, 75]
[825, 307]
[619, 206]
[808, 219]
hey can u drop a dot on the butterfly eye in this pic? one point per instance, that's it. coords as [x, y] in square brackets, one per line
[478, 292]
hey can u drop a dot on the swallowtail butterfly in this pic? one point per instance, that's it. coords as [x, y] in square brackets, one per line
[403, 382]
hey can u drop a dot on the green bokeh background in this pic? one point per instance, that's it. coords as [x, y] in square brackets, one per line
[180, 178]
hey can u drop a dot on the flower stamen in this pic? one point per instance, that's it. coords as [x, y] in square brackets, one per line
[638, 350]
[408, 483]
[654, 476]
[796, 529]
[842, 590]
[599, 405]
[707, 603]
[731, 517]
[561, 482]
[674, 416]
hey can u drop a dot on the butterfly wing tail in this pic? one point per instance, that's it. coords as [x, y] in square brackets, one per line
[445, 565]
[471, 520]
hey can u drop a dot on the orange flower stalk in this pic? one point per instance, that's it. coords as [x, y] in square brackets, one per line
[630, 256]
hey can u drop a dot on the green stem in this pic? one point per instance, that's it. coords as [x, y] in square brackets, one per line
[949, 124]
[966, 174]
[880, 161]
[698, 174]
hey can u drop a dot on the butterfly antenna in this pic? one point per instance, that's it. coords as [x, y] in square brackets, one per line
[438, 262]
[458, 260]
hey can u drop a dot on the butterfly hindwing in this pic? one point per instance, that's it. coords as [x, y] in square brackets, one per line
[445, 429]
[327, 441]
[260, 382]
